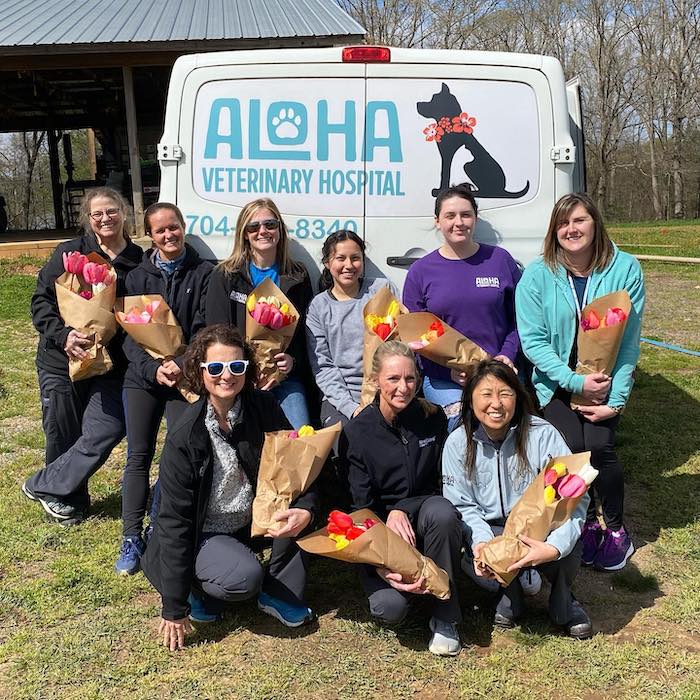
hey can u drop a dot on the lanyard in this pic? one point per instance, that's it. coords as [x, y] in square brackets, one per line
[573, 292]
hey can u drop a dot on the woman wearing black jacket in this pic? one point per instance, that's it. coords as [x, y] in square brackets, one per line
[392, 450]
[201, 549]
[174, 270]
[260, 251]
[83, 421]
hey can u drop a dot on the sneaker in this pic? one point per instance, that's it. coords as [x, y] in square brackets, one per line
[530, 581]
[288, 614]
[129, 561]
[502, 621]
[445, 639]
[579, 627]
[614, 552]
[203, 609]
[592, 537]
[58, 510]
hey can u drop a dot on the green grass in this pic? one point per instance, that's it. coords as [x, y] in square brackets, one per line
[69, 628]
[668, 238]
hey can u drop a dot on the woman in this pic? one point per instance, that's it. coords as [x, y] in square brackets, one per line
[261, 251]
[174, 270]
[84, 420]
[483, 309]
[335, 325]
[487, 464]
[392, 451]
[579, 264]
[200, 551]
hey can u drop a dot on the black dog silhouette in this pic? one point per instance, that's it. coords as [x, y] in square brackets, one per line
[484, 171]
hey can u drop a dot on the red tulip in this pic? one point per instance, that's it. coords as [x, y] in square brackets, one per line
[590, 322]
[354, 532]
[339, 521]
[382, 330]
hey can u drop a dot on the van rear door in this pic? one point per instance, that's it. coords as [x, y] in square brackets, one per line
[573, 99]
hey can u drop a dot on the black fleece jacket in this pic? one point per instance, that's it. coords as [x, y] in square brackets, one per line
[53, 332]
[185, 292]
[394, 467]
[186, 469]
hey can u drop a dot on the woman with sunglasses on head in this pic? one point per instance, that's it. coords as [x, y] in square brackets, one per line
[201, 554]
[260, 251]
[487, 463]
[335, 325]
[579, 264]
[174, 270]
[470, 286]
[83, 420]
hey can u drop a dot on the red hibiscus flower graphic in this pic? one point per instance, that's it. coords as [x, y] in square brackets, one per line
[446, 124]
[463, 123]
[433, 132]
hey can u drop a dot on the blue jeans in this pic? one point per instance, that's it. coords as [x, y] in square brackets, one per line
[446, 394]
[292, 398]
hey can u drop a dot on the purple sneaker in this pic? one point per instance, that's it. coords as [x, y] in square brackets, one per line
[616, 549]
[592, 537]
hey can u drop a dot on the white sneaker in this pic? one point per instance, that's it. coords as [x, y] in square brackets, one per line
[531, 581]
[445, 639]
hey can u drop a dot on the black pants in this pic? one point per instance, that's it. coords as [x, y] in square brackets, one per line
[144, 410]
[227, 569]
[83, 423]
[438, 536]
[582, 435]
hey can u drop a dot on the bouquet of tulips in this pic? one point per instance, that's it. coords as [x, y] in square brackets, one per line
[85, 294]
[362, 538]
[430, 337]
[271, 321]
[548, 502]
[600, 333]
[150, 322]
[380, 315]
[290, 462]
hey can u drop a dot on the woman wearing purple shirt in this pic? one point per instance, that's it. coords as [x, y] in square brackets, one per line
[470, 286]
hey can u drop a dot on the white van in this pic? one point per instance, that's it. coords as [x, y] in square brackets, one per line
[363, 138]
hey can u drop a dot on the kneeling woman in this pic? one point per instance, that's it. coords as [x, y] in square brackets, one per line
[392, 451]
[201, 549]
[487, 464]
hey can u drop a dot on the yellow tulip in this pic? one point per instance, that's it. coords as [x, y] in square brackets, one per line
[393, 309]
[305, 431]
[284, 308]
[250, 304]
[559, 468]
[550, 495]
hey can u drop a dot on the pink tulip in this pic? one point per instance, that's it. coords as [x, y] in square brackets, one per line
[74, 262]
[276, 319]
[94, 273]
[152, 306]
[86, 294]
[615, 316]
[571, 486]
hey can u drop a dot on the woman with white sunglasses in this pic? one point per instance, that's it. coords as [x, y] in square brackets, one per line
[201, 555]
[261, 251]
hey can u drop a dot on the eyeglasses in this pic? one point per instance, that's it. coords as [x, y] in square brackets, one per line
[235, 367]
[268, 224]
[97, 215]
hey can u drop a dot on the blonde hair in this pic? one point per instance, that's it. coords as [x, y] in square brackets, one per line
[117, 198]
[240, 257]
[602, 245]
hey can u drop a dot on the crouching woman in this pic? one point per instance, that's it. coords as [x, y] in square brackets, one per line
[201, 554]
[487, 464]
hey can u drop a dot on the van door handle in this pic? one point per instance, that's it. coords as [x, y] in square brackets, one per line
[401, 261]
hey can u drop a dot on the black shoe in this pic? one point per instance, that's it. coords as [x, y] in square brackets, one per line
[55, 509]
[502, 621]
[579, 627]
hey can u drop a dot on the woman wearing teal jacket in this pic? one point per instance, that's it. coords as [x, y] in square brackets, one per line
[580, 263]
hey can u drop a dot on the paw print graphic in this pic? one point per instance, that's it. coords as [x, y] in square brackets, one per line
[286, 123]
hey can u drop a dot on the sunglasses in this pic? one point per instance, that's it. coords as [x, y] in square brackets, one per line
[235, 367]
[268, 225]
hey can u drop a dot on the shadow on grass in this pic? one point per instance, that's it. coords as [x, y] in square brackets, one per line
[109, 506]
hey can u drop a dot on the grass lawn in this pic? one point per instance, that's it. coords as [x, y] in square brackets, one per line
[70, 628]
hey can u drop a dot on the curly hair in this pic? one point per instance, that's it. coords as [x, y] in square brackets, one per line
[197, 353]
[117, 198]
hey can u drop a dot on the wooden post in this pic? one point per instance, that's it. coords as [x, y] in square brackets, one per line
[134, 156]
[91, 152]
[55, 171]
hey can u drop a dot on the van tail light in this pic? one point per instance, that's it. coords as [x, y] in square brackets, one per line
[366, 54]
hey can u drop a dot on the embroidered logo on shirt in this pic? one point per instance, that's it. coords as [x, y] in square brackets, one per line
[488, 282]
[239, 297]
[188, 290]
[448, 480]
[426, 441]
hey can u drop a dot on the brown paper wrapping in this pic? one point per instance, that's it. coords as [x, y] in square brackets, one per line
[597, 349]
[451, 349]
[265, 342]
[93, 317]
[161, 337]
[382, 547]
[287, 468]
[378, 304]
[530, 516]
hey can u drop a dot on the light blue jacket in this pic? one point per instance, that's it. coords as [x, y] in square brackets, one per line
[495, 486]
[547, 324]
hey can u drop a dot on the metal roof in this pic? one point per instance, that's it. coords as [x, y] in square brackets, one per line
[67, 24]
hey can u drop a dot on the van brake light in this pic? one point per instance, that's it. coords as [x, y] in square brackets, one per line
[366, 54]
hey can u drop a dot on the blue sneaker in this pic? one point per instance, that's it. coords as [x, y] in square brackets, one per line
[129, 561]
[288, 614]
[203, 609]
